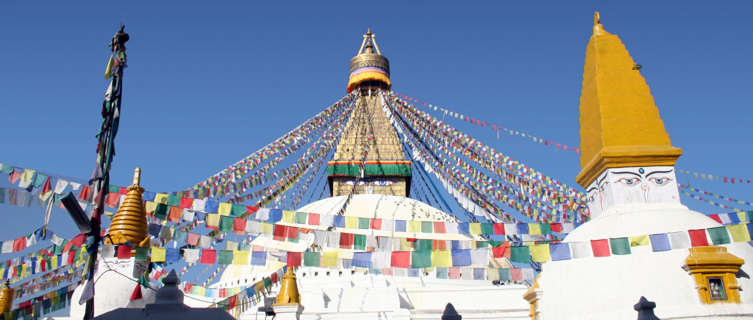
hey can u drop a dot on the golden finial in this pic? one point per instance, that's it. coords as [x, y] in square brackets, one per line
[129, 223]
[598, 28]
[136, 176]
[288, 290]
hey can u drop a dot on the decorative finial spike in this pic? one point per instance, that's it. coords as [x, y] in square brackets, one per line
[136, 176]
[597, 18]
[368, 31]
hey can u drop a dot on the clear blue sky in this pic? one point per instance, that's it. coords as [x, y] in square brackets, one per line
[208, 85]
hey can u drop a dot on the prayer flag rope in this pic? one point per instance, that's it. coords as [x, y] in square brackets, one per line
[715, 195]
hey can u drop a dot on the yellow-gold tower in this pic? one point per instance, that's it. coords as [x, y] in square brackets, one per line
[383, 169]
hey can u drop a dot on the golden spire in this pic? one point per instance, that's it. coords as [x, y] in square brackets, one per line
[6, 297]
[129, 224]
[619, 122]
[369, 66]
[288, 290]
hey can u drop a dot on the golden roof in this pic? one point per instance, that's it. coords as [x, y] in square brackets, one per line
[6, 297]
[369, 65]
[129, 223]
[619, 121]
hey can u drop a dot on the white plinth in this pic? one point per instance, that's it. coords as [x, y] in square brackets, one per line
[287, 311]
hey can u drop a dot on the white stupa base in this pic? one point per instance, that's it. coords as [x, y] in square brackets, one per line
[288, 311]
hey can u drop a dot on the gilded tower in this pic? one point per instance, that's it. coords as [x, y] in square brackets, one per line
[369, 156]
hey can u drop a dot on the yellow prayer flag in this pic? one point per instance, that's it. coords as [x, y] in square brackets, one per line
[329, 259]
[641, 240]
[739, 232]
[540, 252]
[267, 228]
[224, 209]
[54, 262]
[414, 226]
[240, 257]
[289, 216]
[351, 222]
[200, 291]
[474, 228]
[742, 216]
[213, 220]
[534, 229]
[160, 198]
[158, 254]
[441, 258]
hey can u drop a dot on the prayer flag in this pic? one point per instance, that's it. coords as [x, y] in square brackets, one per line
[362, 259]
[520, 254]
[739, 233]
[719, 235]
[375, 223]
[620, 245]
[679, 240]
[600, 247]
[642, 240]
[540, 252]
[363, 223]
[359, 242]
[208, 256]
[225, 257]
[311, 259]
[300, 217]
[659, 242]
[421, 259]
[258, 258]
[329, 259]
[439, 227]
[487, 228]
[313, 219]
[698, 237]
[441, 258]
[158, 254]
[346, 240]
[294, 259]
[241, 257]
[401, 259]
[499, 228]
[534, 229]
[560, 251]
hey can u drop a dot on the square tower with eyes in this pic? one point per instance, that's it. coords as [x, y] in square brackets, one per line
[632, 185]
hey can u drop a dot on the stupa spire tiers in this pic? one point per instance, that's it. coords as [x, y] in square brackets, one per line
[369, 68]
[620, 124]
[129, 223]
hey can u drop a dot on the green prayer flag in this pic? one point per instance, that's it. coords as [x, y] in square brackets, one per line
[620, 245]
[114, 189]
[237, 210]
[546, 228]
[161, 211]
[719, 235]
[487, 228]
[424, 244]
[427, 226]
[482, 244]
[363, 223]
[222, 304]
[225, 257]
[268, 282]
[520, 254]
[142, 253]
[173, 200]
[421, 259]
[312, 259]
[226, 223]
[359, 242]
[300, 217]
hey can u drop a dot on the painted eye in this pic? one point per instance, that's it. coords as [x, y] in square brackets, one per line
[660, 181]
[629, 181]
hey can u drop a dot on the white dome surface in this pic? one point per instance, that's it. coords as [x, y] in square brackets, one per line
[379, 206]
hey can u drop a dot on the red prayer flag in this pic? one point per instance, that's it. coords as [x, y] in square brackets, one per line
[556, 227]
[239, 225]
[251, 209]
[136, 294]
[112, 199]
[375, 224]
[401, 259]
[124, 252]
[123, 190]
[439, 227]
[19, 244]
[600, 247]
[314, 219]
[439, 245]
[346, 240]
[223, 292]
[294, 259]
[14, 176]
[46, 187]
[174, 215]
[279, 232]
[499, 228]
[85, 193]
[208, 256]
[716, 217]
[186, 203]
[698, 238]
[292, 232]
[499, 252]
[231, 302]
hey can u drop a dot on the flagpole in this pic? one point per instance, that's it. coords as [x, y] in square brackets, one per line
[100, 177]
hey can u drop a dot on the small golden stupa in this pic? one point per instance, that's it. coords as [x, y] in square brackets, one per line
[288, 290]
[620, 124]
[6, 297]
[129, 223]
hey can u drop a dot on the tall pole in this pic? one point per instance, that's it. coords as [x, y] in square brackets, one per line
[100, 178]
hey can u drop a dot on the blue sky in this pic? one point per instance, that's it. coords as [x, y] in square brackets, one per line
[208, 85]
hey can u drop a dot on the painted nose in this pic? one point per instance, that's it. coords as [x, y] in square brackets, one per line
[644, 187]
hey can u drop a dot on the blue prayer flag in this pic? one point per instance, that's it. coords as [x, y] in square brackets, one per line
[442, 273]
[734, 218]
[522, 228]
[172, 254]
[456, 244]
[154, 229]
[461, 257]
[275, 215]
[659, 242]
[362, 259]
[258, 258]
[504, 275]
[560, 251]
[479, 274]
[212, 206]
[400, 225]
[149, 196]
[463, 228]
[339, 221]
